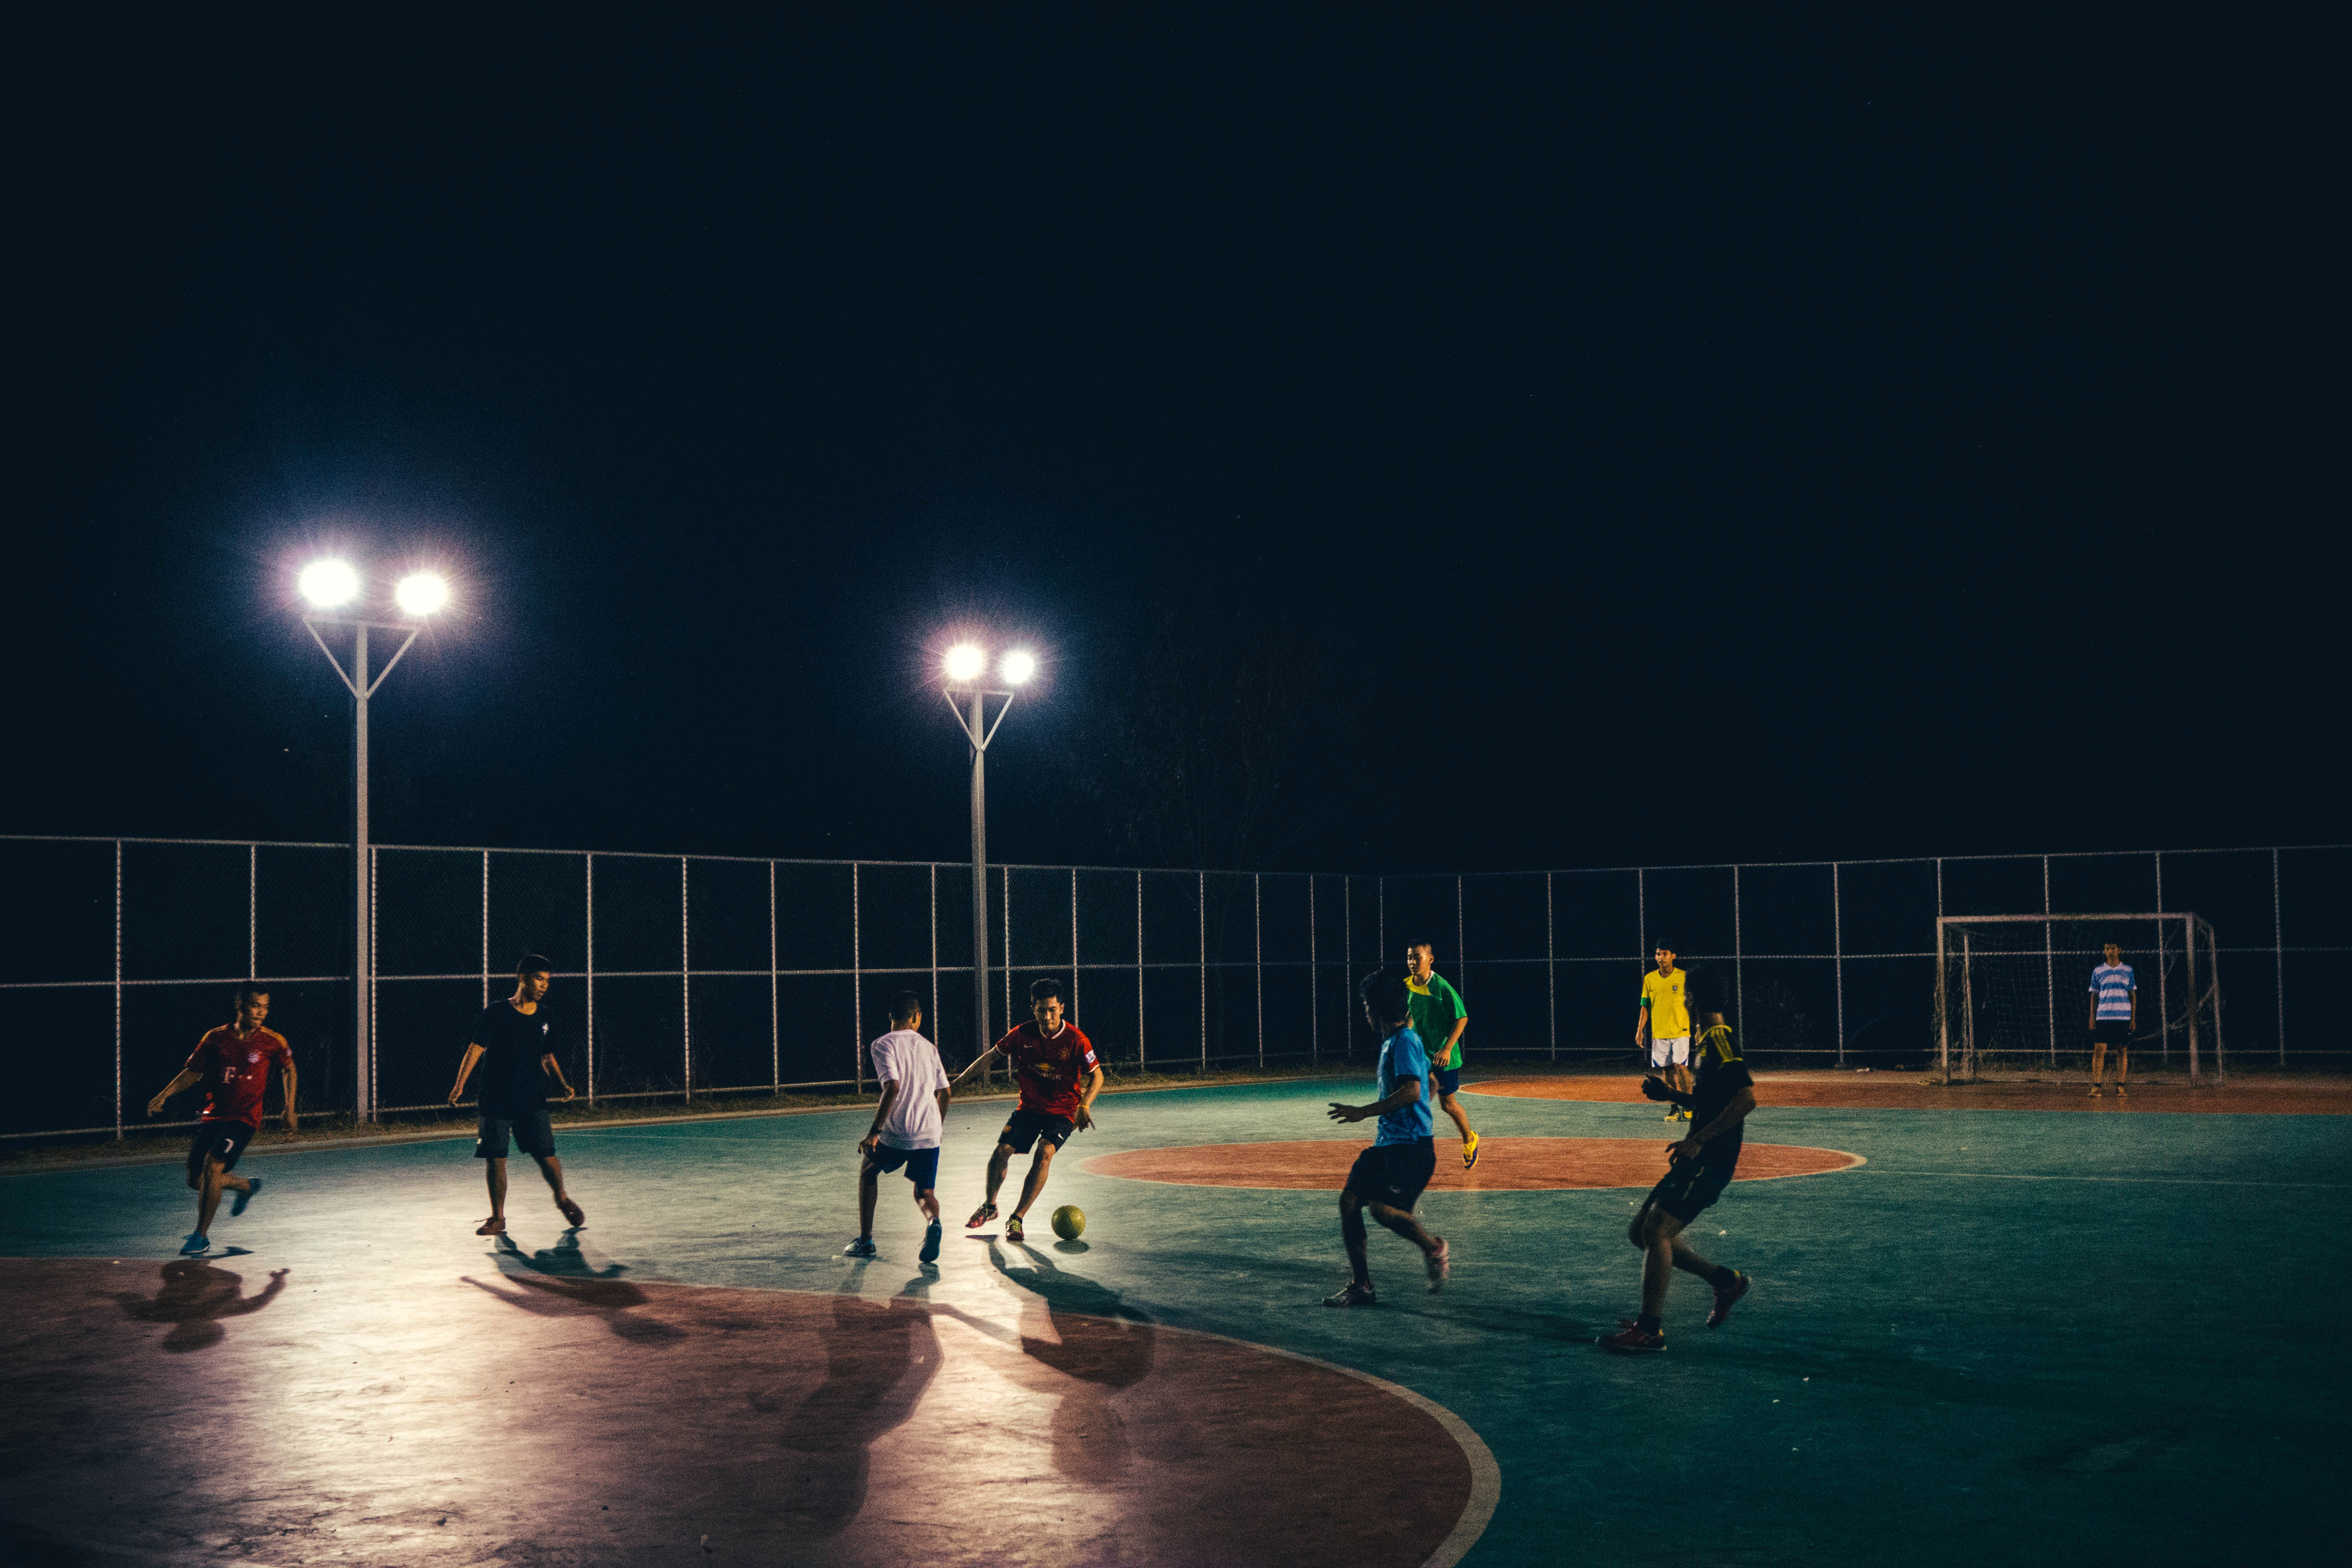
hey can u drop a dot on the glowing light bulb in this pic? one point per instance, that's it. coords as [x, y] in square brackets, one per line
[421, 594]
[965, 662]
[1018, 667]
[328, 584]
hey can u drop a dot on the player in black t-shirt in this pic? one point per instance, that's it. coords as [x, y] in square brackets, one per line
[513, 1044]
[1701, 1167]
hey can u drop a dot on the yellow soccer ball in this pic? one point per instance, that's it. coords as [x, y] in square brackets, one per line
[1068, 1220]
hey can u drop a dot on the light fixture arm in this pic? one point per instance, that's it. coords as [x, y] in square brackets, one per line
[312, 624]
[979, 738]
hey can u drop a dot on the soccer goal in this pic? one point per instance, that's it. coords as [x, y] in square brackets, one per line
[2012, 992]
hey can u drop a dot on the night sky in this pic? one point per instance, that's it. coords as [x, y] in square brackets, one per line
[1411, 441]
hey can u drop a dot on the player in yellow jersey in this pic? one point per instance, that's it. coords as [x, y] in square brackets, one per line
[1664, 1017]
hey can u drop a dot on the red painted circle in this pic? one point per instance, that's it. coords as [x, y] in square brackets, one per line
[1505, 1164]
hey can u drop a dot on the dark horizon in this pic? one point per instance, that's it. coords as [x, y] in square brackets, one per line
[1443, 444]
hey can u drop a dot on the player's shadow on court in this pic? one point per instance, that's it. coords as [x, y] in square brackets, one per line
[193, 1298]
[560, 1282]
[879, 1358]
[1078, 1339]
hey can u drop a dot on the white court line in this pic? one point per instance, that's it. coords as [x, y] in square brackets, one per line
[2148, 1180]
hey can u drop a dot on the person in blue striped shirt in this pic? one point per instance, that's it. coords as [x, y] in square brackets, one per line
[2115, 1013]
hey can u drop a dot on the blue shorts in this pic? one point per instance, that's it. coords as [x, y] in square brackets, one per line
[1448, 1079]
[922, 1165]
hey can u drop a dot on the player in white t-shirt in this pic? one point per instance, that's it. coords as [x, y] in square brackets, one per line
[906, 1124]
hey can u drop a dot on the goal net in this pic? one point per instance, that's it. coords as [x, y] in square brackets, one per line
[2012, 992]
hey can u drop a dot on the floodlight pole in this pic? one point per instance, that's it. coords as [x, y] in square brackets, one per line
[978, 730]
[357, 682]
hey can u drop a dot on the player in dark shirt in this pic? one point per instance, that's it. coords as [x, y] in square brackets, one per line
[232, 1063]
[513, 1044]
[1060, 1076]
[1701, 1166]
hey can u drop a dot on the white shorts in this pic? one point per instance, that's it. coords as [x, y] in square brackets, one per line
[1675, 1048]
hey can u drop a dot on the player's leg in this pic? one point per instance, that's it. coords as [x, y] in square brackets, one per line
[2122, 1065]
[869, 1192]
[997, 1163]
[2098, 1060]
[1406, 1224]
[1353, 1235]
[1040, 1164]
[552, 1169]
[494, 1177]
[208, 1193]
[1728, 1284]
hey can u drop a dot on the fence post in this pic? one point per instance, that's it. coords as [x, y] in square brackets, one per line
[1837, 946]
[1007, 901]
[592, 979]
[485, 928]
[1642, 914]
[1200, 906]
[1348, 958]
[685, 984]
[1738, 959]
[1074, 940]
[253, 909]
[935, 953]
[1461, 940]
[1258, 937]
[2050, 966]
[1551, 971]
[856, 983]
[1139, 972]
[372, 1095]
[2163, 992]
[2278, 951]
[118, 990]
[1383, 929]
[775, 1021]
[1314, 987]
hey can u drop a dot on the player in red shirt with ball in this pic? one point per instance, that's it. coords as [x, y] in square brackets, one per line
[232, 1063]
[1050, 1057]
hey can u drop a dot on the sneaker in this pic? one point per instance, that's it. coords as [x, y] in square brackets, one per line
[931, 1253]
[1671, 1115]
[1012, 1231]
[1632, 1341]
[2095, 1091]
[1470, 1151]
[196, 1245]
[862, 1247]
[573, 1215]
[980, 1217]
[1724, 1297]
[1355, 1295]
[2120, 1091]
[1440, 1264]
[1681, 1116]
[252, 1190]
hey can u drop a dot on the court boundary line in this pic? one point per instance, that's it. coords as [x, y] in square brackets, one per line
[2132, 1181]
[1854, 1163]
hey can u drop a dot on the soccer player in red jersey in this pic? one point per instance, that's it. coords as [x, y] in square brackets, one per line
[232, 1063]
[1050, 1057]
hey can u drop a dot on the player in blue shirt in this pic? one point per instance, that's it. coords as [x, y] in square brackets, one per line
[2115, 1013]
[1388, 1177]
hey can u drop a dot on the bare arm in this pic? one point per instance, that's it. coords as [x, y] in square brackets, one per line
[289, 1075]
[881, 1115]
[1640, 1021]
[465, 1069]
[976, 1064]
[554, 1069]
[1406, 1094]
[1086, 1103]
[189, 1078]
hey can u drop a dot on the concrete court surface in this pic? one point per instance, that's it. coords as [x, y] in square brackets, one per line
[2007, 1335]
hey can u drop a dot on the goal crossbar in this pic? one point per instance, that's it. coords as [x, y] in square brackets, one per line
[2202, 972]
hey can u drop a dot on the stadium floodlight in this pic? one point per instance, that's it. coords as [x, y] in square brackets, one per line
[329, 584]
[421, 592]
[969, 703]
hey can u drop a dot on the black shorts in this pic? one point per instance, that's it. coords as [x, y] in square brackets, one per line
[1448, 1079]
[2115, 1033]
[532, 1134]
[922, 1165]
[1393, 1174]
[227, 1139]
[1027, 1126]
[1691, 1187]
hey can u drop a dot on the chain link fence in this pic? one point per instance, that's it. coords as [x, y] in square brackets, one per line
[679, 976]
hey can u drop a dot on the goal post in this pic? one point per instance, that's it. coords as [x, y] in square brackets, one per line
[2012, 992]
